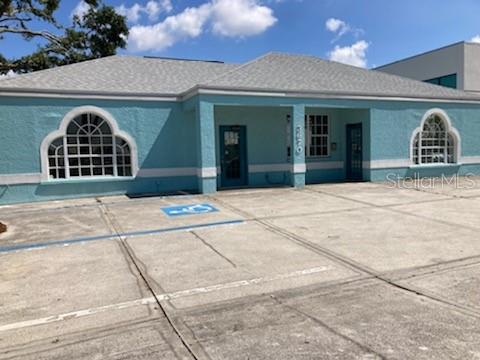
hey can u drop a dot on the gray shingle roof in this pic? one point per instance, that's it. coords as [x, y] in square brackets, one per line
[300, 73]
[120, 74]
[273, 72]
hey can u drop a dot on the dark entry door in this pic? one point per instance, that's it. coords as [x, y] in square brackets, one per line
[233, 154]
[354, 152]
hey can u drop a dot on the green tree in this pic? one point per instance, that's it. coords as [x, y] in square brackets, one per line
[99, 32]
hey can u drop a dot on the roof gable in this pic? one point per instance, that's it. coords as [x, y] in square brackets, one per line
[308, 74]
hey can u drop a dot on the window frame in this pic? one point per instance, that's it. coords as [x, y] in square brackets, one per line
[451, 147]
[309, 135]
[61, 132]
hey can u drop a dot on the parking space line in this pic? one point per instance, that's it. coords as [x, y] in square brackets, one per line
[75, 314]
[241, 283]
[162, 297]
[31, 246]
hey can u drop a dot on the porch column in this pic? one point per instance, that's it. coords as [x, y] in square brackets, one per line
[297, 157]
[206, 163]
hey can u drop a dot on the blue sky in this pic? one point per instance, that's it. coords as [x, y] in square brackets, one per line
[361, 32]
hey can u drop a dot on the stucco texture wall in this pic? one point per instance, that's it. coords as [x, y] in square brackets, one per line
[392, 125]
[165, 135]
[163, 132]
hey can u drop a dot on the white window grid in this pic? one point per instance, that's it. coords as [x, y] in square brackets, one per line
[318, 136]
[92, 150]
[434, 144]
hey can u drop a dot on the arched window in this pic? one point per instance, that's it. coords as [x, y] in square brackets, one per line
[435, 142]
[87, 145]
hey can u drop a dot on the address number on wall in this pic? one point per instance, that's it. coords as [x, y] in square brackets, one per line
[298, 140]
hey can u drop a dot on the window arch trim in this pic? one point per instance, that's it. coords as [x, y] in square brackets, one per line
[62, 130]
[449, 129]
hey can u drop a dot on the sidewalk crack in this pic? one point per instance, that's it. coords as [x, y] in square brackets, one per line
[213, 248]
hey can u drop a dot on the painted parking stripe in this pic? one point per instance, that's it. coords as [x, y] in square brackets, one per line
[75, 314]
[162, 297]
[240, 283]
[30, 246]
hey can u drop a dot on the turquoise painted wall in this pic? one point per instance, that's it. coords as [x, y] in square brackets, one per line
[266, 131]
[267, 139]
[392, 125]
[404, 118]
[165, 133]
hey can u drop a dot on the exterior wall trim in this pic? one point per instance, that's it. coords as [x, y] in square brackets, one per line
[259, 168]
[90, 96]
[245, 92]
[324, 165]
[321, 165]
[207, 172]
[467, 160]
[299, 168]
[319, 95]
[387, 164]
[167, 172]
[23, 178]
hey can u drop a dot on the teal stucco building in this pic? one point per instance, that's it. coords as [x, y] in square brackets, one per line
[150, 125]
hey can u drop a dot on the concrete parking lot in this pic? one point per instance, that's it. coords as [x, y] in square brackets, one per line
[333, 271]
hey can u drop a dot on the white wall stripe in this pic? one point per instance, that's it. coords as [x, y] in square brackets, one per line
[299, 168]
[17, 179]
[387, 164]
[207, 172]
[319, 165]
[325, 165]
[405, 163]
[268, 167]
[470, 160]
[35, 178]
[167, 172]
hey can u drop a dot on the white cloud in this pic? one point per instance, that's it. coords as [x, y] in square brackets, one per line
[476, 39]
[80, 10]
[9, 74]
[132, 13]
[231, 18]
[352, 55]
[188, 24]
[238, 18]
[152, 9]
[340, 28]
[335, 25]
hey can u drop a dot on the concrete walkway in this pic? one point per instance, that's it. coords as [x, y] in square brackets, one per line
[335, 271]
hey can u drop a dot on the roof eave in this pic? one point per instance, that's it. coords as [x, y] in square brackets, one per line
[225, 90]
[57, 93]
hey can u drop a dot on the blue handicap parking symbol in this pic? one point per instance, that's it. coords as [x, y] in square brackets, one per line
[191, 209]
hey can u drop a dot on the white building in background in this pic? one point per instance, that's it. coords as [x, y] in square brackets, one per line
[456, 66]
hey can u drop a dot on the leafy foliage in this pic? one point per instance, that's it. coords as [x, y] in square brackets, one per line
[99, 32]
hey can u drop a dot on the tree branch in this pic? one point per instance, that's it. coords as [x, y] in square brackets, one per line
[27, 32]
[15, 18]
